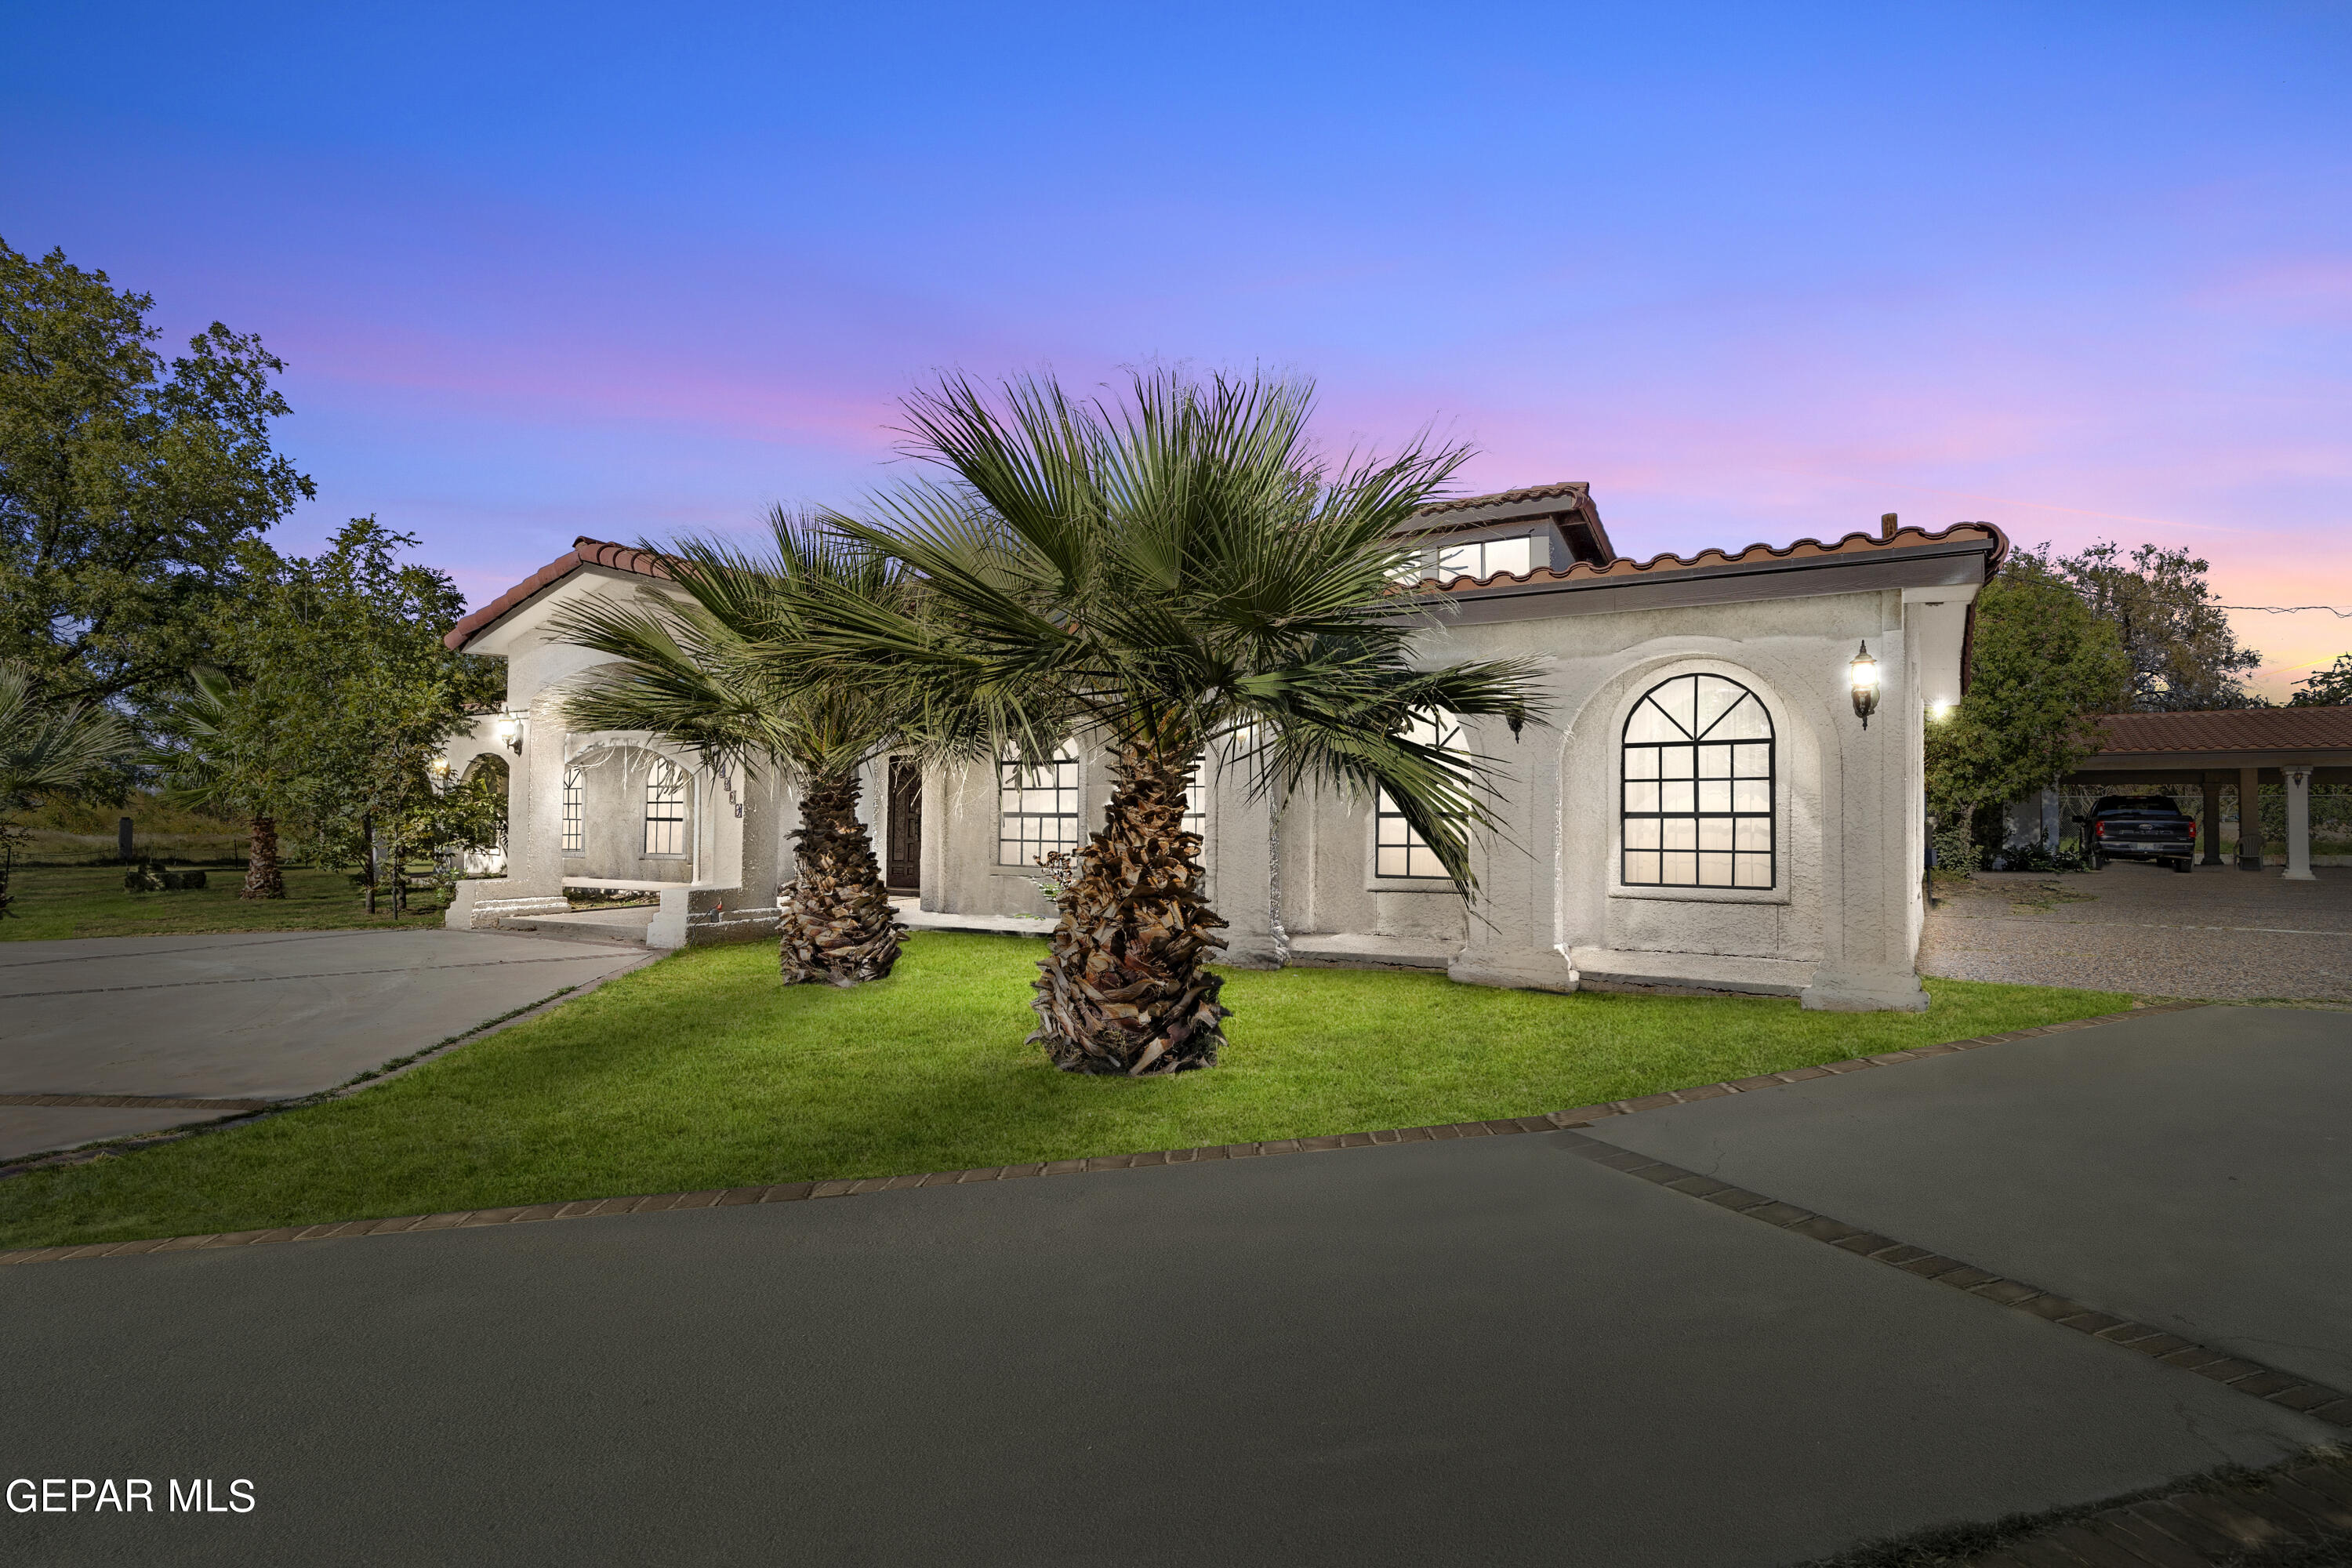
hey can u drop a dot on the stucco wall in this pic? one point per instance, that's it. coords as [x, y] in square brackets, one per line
[1840, 922]
[1843, 906]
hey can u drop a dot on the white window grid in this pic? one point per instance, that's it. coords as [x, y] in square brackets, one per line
[575, 812]
[666, 810]
[1397, 849]
[1036, 807]
[1699, 785]
[1485, 557]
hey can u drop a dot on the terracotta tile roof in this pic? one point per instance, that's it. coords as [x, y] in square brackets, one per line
[1659, 565]
[1573, 490]
[2231, 729]
[584, 551]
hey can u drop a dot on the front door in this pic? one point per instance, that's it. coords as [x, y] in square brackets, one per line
[903, 862]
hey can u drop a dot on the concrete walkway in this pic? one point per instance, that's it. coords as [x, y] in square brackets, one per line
[1480, 1351]
[259, 1015]
[2221, 934]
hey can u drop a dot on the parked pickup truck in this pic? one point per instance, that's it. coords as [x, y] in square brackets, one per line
[2140, 827]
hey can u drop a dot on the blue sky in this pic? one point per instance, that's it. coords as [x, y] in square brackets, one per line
[1756, 273]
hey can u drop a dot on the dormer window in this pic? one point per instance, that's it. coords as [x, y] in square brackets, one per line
[1485, 557]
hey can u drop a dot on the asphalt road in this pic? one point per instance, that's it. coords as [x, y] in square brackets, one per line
[2189, 1170]
[1487, 1351]
[264, 1016]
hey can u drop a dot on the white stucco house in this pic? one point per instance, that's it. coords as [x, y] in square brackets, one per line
[1706, 810]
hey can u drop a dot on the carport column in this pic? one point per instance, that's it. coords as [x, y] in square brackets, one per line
[2298, 824]
[2209, 785]
[2249, 819]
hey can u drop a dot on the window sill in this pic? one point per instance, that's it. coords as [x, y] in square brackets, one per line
[1408, 885]
[1702, 895]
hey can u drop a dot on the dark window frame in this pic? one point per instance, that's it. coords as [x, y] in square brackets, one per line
[668, 786]
[1629, 781]
[1014, 822]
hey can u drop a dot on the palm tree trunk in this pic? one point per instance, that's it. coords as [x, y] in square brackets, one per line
[837, 925]
[263, 877]
[1126, 985]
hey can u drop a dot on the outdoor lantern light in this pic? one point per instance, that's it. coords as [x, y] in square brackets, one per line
[438, 767]
[1865, 685]
[510, 730]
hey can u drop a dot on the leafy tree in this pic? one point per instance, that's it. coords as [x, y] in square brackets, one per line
[720, 667]
[127, 485]
[2042, 668]
[2329, 688]
[346, 691]
[1173, 573]
[48, 749]
[470, 814]
[2184, 657]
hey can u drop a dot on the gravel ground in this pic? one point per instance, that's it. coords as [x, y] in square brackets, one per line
[2223, 934]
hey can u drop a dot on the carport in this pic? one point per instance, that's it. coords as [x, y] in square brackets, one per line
[2240, 749]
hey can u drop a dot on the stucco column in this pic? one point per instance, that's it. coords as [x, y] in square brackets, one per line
[2298, 824]
[2209, 785]
[2249, 819]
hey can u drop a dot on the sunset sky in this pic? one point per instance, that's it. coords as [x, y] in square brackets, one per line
[1755, 272]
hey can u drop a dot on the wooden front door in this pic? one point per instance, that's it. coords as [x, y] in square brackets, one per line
[903, 860]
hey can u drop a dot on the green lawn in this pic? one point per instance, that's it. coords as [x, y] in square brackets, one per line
[701, 1071]
[89, 901]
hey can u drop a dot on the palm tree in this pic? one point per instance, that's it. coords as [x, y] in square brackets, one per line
[224, 758]
[715, 667]
[1175, 575]
[46, 751]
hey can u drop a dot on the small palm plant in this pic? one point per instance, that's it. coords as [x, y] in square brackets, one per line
[48, 750]
[224, 754]
[718, 666]
[1172, 575]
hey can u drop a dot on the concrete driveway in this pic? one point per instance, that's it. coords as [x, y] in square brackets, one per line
[252, 1017]
[1492, 1350]
[2221, 934]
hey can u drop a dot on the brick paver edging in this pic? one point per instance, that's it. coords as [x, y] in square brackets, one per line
[793, 1191]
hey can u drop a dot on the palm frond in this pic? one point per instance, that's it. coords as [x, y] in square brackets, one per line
[53, 748]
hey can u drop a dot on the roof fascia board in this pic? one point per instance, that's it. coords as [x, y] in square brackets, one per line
[1732, 583]
[517, 621]
[2218, 761]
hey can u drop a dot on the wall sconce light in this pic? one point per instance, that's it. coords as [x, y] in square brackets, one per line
[1865, 685]
[440, 768]
[510, 731]
[1940, 710]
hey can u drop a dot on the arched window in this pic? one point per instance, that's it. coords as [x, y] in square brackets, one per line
[1699, 778]
[575, 812]
[1036, 806]
[666, 788]
[1397, 849]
